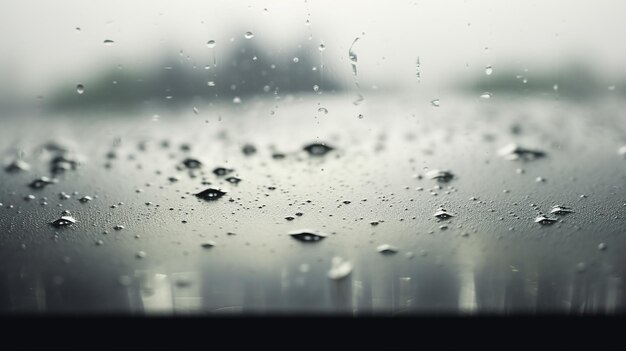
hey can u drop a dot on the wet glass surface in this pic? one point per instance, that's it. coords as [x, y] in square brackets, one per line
[327, 190]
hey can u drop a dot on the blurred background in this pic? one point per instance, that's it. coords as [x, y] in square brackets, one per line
[133, 53]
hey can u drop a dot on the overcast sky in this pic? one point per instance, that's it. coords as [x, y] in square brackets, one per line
[41, 46]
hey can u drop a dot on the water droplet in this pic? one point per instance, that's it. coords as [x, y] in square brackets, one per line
[195, 110]
[544, 220]
[486, 95]
[443, 214]
[622, 151]
[42, 182]
[17, 166]
[387, 249]
[141, 254]
[118, 227]
[360, 116]
[340, 268]
[65, 220]
[236, 100]
[80, 89]
[210, 44]
[248, 149]
[435, 102]
[561, 210]
[317, 149]
[555, 87]
[99, 242]
[209, 244]
[441, 176]
[323, 110]
[307, 236]
[515, 152]
[29, 197]
[352, 56]
[248, 35]
[233, 180]
[109, 42]
[210, 83]
[192, 163]
[211, 194]
[296, 60]
[488, 70]
[601, 246]
[221, 171]
[322, 47]
[85, 198]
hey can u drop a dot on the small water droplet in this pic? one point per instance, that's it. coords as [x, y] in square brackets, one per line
[296, 60]
[210, 44]
[443, 214]
[42, 182]
[17, 166]
[488, 70]
[141, 254]
[195, 110]
[561, 210]
[248, 149]
[248, 35]
[211, 194]
[222, 171]
[387, 249]
[360, 116]
[439, 175]
[622, 151]
[80, 89]
[322, 47]
[317, 149]
[340, 268]
[602, 246]
[109, 42]
[544, 220]
[85, 198]
[118, 227]
[65, 220]
[486, 95]
[233, 180]
[435, 102]
[209, 244]
[323, 110]
[308, 236]
[192, 163]
[210, 83]
[236, 100]
[515, 152]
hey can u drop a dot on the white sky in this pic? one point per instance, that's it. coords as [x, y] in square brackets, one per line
[41, 48]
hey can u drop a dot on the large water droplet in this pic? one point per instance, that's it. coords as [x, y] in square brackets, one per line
[210, 44]
[435, 102]
[80, 89]
[308, 236]
[248, 35]
[340, 268]
[248, 149]
[488, 70]
[211, 194]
